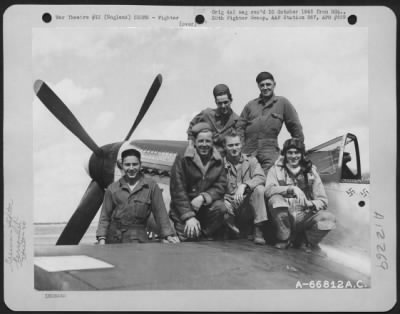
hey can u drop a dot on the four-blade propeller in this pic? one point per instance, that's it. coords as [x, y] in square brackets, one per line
[103, 159]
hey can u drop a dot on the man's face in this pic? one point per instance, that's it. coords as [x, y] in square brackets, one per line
[266, 87]
[223, 104]
[131, 167]
[293, 157]
[204, 143]
[233, 146]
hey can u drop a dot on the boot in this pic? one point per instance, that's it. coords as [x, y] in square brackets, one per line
[229, 221]
[250, 235]
[206, 237]
[315, 249]
[258, 235]
[282, 245]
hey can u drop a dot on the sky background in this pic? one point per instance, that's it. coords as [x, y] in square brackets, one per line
[103, 75]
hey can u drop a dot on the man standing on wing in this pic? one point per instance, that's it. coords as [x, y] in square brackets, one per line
[128, 204]
[221, 120]
[261, 121]
[197, 187]
[297, 200]
[246, 189]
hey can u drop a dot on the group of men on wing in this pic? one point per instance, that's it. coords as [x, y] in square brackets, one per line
[231, 170]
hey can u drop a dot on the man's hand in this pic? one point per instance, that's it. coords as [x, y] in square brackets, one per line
[171, 239]
[197, 202]
[317, 206]
[310, 205]
[239, 195]
[297, 193]
[192, 228]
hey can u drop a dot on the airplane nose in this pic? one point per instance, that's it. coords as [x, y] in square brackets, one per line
[101, 168]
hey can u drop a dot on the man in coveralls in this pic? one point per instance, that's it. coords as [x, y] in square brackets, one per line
[246, 188]
[221, 120]
[128, 204]
[261, 121]
[297, 200]
[197, 186]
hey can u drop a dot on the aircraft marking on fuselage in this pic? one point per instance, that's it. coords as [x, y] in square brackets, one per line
[71, 262]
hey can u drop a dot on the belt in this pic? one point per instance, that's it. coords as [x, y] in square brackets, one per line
[121, 225]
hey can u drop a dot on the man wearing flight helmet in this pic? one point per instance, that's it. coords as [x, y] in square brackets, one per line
[297, 200]
[221, 120]
[128, 204]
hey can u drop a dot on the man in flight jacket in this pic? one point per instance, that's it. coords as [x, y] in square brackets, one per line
[197, 186]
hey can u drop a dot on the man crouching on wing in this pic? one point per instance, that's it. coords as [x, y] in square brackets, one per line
[297, 200]
[128, 204]
[197, 186]
[245, 193]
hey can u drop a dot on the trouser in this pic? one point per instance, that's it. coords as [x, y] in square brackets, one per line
[153, 226]
[265, 150]
[252, 206]
[121, 233]
[211, 219]
[292, 221]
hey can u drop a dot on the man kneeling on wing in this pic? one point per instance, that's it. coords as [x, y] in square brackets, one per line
[297, 200]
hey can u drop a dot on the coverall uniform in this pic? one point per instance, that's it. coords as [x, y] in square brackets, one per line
[189, 179]
[259, 126]
[125, 213]
[293, 218]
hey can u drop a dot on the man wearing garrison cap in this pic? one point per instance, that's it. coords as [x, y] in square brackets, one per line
[222, 119]
[261, 121]
[128, 204]
[197, 186]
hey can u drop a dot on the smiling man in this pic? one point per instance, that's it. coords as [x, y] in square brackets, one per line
[221, 120]
[261, 121]
[128, 204]
[245, 192]
[297, 200]
[197, 187]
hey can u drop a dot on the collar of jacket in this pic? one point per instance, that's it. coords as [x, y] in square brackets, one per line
[141, 182]
[218, 115]
[281, 167]
[233, 117]
[279, 161]
[270, 101]
[191, 152]
[242, 159]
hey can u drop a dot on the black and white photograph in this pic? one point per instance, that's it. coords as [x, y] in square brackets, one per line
[220, 159]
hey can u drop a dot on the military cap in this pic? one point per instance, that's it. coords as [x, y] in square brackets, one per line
[221, 89]
[264, 76]
[201, 126]
[130, 152]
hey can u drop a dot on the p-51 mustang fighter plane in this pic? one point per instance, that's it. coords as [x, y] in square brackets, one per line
[236, 264]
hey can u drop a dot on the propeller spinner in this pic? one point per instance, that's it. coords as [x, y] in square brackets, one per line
[101, 163]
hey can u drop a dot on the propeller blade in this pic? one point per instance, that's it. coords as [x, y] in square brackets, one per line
[63, 114]
[83, 216]
[146, 104]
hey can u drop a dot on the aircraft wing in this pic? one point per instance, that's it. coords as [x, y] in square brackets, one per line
[195, 265]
